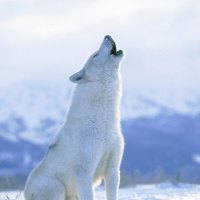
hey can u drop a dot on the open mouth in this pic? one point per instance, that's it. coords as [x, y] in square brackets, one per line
[114, 47]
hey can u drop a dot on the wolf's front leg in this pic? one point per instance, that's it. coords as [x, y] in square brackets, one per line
[112, 180]
[112, 174]
[85, 187]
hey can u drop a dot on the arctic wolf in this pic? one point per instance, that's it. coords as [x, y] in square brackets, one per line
[89, 145]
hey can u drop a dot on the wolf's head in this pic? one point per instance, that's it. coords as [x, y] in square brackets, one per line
[103, 65]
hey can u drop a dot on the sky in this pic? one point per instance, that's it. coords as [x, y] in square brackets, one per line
[46, 41]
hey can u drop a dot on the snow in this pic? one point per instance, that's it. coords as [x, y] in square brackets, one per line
[165, 191]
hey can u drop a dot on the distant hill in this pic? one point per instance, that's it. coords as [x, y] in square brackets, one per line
[169, 143]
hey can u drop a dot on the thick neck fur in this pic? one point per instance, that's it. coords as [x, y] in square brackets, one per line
[96, 101]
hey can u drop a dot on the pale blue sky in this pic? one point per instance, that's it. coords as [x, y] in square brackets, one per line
[48, 40]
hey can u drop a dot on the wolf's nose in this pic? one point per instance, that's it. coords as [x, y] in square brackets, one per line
[108, 37]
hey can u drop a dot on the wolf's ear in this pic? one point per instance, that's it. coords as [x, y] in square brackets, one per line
[75, 78]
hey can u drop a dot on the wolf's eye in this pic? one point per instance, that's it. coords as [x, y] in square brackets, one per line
[96, 54]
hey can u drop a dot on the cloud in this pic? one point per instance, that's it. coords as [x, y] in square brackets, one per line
[45, 19]
[55, 19]
[51, 39]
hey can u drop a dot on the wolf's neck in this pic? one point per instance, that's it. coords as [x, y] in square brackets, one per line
[92, 100]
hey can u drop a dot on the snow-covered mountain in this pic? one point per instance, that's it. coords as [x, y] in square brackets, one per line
[158, 138]
[32, 112]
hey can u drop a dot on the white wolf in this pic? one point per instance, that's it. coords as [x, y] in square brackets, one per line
[89, 146]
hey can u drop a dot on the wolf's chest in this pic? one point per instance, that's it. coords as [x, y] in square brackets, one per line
[100, 129]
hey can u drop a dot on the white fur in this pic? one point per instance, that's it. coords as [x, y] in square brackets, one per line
[89, 145]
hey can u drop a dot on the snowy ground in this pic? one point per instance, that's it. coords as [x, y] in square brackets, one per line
[142, 192]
